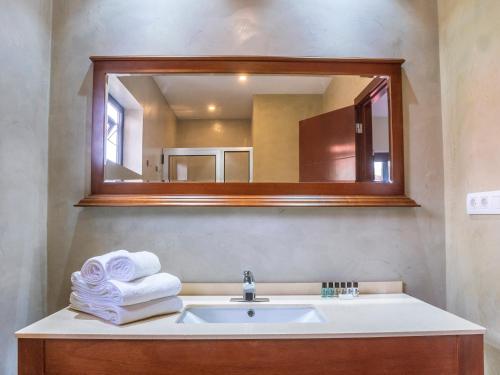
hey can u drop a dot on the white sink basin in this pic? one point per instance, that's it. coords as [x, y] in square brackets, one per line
[250, 314]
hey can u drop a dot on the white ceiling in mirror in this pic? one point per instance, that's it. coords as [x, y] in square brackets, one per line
[190, 96]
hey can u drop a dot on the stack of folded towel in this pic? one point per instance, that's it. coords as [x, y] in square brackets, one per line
[123, 287]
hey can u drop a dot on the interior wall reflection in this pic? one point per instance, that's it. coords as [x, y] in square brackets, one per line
[247, 128]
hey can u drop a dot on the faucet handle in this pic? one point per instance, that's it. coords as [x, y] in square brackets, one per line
[248, 277]
[249, 289]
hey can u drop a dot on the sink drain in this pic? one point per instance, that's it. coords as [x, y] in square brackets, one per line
[250, 313]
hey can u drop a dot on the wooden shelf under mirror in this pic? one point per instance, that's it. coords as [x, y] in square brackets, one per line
[138, 200]
[247, 131]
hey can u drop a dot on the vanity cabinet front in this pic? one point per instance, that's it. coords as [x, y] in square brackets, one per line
[443, 355]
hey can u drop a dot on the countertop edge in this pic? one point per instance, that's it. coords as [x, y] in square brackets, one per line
[21, 335]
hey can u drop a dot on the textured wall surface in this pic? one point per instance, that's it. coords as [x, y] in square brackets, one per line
[342, 91]
[470, 50]
[275, 134]
[214, 133]
[215, 244]
[24, 106]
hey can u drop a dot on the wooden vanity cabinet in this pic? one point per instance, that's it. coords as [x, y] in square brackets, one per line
[437, 355]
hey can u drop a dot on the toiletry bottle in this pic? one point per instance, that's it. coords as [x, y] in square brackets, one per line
[324, 289]
[336, 289]
[330, 289]
[355, 289]
[349, 288]
[342, 288]
[346, 288]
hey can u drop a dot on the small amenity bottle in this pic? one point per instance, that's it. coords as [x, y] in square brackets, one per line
[336, 290]
[355, 289]
[330, 289]
[349, 288]
[324, 289]
[342, 288]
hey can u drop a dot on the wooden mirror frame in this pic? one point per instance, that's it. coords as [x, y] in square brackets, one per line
[365, 193]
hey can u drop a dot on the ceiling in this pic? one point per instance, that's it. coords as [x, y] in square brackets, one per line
[190, 95]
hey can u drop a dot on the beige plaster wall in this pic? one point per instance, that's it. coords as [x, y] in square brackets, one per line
[278, 244]
[275, 134]
[132, 140]
[159, 123]
[24, 107]
[469, 33]
[342, 91]
[214, 133]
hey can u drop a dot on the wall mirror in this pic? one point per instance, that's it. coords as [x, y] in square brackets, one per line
[247, 131]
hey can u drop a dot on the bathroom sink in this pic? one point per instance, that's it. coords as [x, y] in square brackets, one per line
[250, 314]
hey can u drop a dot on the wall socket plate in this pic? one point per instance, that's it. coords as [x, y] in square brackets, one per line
[484, 203]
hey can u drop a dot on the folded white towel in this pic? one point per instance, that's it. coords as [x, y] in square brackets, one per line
[94, 269]
[126, 314]
[122, 293]
[131, 266]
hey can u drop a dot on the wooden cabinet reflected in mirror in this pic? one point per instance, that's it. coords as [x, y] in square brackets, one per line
[247, 131]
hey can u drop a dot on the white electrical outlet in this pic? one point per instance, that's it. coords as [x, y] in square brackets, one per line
[485, 203]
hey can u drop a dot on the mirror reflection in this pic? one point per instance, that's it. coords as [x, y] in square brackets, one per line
[218, 128]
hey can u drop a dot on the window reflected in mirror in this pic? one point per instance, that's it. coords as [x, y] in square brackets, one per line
[114, 131]
[247, 128]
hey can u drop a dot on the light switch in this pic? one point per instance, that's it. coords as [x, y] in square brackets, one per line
[484, 203]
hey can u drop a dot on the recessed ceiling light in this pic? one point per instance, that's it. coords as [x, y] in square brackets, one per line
[211, 108]
[242, 77]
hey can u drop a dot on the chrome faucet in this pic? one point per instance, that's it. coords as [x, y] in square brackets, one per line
[249, 289]
[248, 286]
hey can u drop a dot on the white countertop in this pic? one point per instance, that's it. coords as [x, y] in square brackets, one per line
[375, 315]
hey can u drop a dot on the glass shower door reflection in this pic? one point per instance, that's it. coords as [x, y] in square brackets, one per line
[208, 165]
[192, 168]
[236, 166]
